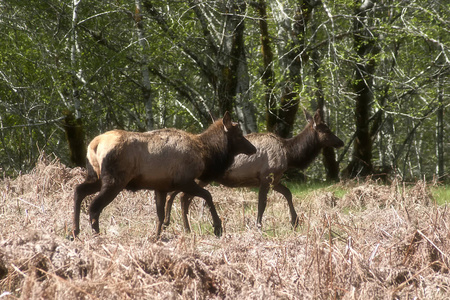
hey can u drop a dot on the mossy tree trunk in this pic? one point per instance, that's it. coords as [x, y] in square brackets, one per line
[292, 59]
[268, 75]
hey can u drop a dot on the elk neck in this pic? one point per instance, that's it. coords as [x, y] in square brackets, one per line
[303, 148]
[215, 152]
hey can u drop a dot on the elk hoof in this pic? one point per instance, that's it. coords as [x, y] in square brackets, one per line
[218, 231]
[71, 237]
[95, 226]
[295, 222]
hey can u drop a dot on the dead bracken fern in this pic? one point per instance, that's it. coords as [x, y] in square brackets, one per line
[376, 242]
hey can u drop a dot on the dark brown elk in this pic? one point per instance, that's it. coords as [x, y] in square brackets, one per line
[162, 160]
[265, 168]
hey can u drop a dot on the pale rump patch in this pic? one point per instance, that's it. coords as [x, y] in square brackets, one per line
[102, 145]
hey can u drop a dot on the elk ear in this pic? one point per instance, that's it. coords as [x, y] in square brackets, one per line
[308, 117]
[227, 124]
[318, 116]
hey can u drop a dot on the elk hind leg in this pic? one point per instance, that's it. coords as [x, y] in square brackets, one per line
[82, 191]
[108, 192]
[288, 195]
[262, 202]
[186, 201]
[168, 210]
[194, 190]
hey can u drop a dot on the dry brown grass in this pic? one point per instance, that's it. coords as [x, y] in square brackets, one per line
[376, 242]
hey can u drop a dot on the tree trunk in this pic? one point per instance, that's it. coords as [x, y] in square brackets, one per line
[440, 172]
[73, 125]
[246, 110]
[74, 55]
[228, 56]
[361, 161]
[146, 85]
[329, 157]
[292, 59]
[75, 138]
[267, 76]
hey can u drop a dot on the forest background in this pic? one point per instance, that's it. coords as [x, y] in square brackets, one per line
[71, 69]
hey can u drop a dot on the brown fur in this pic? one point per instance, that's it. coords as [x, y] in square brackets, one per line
[273, 157]
[162, 160]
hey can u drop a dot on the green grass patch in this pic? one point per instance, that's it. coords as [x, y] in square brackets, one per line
[441, 194]
[305, 189]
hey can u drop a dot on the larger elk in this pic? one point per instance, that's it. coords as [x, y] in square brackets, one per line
[162, 160]
[265, 168]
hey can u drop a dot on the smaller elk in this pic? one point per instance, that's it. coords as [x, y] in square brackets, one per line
[265, 168]
[162, 160]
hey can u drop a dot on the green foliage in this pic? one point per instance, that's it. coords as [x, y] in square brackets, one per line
[47, 61]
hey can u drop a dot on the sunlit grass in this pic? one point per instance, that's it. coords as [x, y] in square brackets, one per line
[441, 194]
[305, 189]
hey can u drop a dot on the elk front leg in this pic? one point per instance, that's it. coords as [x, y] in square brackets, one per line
[160, 210]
